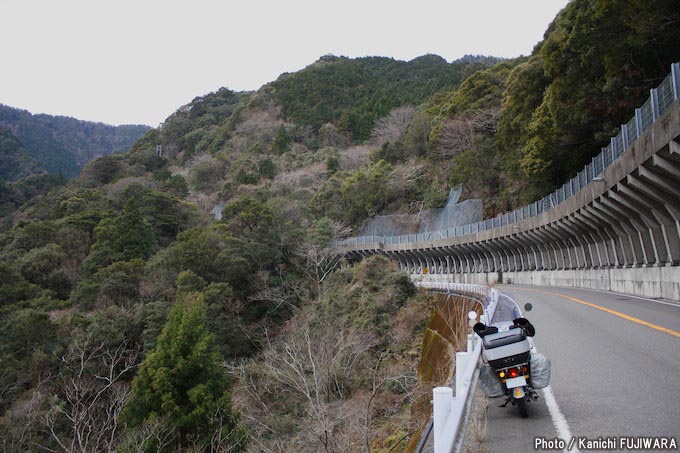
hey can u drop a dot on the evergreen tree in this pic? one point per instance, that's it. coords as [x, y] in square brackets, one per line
[282, 141]
[182, 380]
[122, 238]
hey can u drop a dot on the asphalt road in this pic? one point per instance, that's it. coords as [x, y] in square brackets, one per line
[611, 376]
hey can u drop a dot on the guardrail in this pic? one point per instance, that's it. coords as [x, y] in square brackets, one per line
[659, 100]
[450, 413]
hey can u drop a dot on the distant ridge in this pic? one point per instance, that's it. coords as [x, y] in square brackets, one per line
[63, 145]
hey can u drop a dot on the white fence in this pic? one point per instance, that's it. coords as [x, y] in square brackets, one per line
[449, 412]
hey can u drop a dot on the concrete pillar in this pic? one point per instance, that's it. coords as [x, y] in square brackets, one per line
[653, 234]
[627, 233]
[649, 255]
[670, 240]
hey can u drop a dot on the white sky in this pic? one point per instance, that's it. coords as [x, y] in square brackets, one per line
[137, 61]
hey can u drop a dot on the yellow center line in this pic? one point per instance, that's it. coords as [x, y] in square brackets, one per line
[607, 310]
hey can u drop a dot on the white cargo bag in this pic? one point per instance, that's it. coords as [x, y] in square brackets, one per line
[540, 371]
[490, 382]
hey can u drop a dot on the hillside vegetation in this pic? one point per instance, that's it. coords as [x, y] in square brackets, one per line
[131, 318]
[64, 145]
[15, 163]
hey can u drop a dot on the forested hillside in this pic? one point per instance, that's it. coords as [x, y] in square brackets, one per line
[15, 163]
[130, 317]
[64, 145]
[353, 94]
[596, 64]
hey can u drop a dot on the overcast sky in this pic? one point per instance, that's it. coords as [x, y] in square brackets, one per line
[137, 61]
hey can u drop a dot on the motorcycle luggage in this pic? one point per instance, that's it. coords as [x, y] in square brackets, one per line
[540, 371]
[490, 383]
[498, 339]
[506, 348]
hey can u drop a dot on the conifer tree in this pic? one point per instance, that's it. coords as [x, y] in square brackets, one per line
[183, 382]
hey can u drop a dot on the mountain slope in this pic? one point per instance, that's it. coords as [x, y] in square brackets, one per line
[64, 145]
[93, 268]
[354, 93]
[15, 163]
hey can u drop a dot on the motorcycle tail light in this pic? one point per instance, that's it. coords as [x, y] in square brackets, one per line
[513, 372]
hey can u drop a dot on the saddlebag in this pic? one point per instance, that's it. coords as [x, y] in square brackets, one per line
[490, 383]
[506, 348]
[540, 371]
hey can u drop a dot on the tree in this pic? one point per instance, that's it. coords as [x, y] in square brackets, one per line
[332, 378]
[211, 253]
[282, 141]
[116, 284]
[45, 267]
[365, 192]
[13, 288]
[320, 257]
[177, 185]
[597, 63]
[391, 127]
[267, 168]
[121, 238]
[207, 173]
[248, 216]
[182, 379]
[90, 395]
[333, 163]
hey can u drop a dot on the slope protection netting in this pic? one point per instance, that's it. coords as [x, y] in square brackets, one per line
[455, 213]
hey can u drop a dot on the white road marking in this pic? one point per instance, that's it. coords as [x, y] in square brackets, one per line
[558, 419]
[561, 425]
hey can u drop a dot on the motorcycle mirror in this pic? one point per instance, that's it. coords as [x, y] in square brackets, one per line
[528, 307]
[472, 316]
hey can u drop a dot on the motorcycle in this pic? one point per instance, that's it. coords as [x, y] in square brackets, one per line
[513, 370]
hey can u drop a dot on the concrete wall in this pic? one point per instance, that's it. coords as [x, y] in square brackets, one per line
[654, 282]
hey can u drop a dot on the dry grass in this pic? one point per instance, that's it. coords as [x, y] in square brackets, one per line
[477, 424]
[446, 334]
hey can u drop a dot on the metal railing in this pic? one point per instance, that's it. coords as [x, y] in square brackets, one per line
[659, 100]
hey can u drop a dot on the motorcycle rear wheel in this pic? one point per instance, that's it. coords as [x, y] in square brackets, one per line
[522, 406]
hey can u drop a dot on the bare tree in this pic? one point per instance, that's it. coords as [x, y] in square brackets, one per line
[485, 120]
[91, 395]
[389, 128]
[406, 177]
[330, 136]
[317, 369]
[459, 133]
[156, 431]
[320, 259]
[313, 366]
[283, 294]
[354, 157]
[247, 393]
[456, 136]
[22, 421]
[260, 124]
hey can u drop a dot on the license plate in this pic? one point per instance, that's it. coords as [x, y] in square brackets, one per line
[518, 392]
[515, 382]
